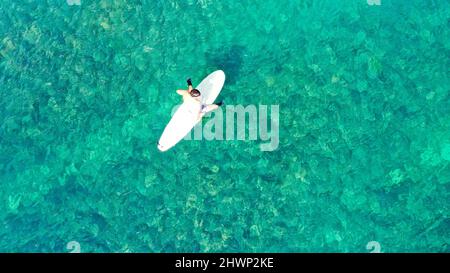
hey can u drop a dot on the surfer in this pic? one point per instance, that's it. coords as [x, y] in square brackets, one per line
[193, 96]
[193, 109]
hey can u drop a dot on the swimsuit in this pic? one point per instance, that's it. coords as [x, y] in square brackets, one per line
[195, 110]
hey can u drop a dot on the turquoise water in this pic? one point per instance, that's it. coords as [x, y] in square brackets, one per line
[364, 152]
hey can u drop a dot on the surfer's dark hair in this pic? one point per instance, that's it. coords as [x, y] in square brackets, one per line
[195, 93]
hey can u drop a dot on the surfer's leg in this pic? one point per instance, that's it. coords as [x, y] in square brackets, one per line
[210, 107]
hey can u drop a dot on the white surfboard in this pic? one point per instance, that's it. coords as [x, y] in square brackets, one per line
[183, 120]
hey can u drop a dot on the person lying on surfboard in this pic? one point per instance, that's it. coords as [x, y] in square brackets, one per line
[193, 96]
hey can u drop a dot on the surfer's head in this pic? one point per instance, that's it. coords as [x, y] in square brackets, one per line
[195, 93]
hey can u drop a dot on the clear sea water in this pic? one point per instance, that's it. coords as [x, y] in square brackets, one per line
[364, 154]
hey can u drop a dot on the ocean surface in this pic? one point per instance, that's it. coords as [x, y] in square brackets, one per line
[363, 161]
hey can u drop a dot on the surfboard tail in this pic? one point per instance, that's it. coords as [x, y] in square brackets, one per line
[162, 148]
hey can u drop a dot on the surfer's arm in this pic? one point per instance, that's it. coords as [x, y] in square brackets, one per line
[189, 83]
[182, 92]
